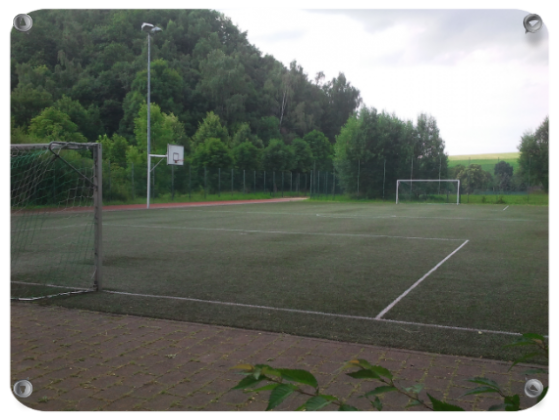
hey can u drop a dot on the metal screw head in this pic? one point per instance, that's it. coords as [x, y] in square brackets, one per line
[23, 23]
[532, 27]
[533, 388]
[23, 389]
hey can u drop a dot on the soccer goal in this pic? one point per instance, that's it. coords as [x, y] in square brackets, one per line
[56, 224]
[428, 191]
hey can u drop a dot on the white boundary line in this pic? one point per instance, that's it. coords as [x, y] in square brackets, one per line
[51, 285]
[385, 310]
[357, 216]
[270, 308]
[280, 232]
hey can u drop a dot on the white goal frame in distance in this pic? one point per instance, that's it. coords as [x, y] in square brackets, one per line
[429, 180]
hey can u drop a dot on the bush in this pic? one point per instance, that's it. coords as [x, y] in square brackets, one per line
[284, 382]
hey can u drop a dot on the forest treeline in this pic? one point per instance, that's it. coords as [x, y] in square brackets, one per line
[81, 75]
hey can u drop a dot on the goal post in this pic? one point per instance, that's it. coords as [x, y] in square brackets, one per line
[56, 219]
[428, 190]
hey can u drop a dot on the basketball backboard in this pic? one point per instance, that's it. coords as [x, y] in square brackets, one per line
[175, 154]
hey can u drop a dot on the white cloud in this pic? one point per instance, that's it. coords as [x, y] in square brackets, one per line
[476, 71]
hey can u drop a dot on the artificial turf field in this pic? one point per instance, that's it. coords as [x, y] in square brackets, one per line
[395, 275]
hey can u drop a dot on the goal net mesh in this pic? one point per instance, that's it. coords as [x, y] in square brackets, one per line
[52, 220]
[428, 191]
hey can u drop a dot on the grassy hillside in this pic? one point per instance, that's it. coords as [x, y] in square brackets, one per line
[487, 160]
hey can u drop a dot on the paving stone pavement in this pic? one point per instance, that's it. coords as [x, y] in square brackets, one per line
[84, 360]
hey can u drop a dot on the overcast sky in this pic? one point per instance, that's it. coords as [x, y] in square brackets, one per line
[477, 72]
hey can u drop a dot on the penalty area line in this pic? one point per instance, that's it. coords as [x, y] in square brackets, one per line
[271, 308]
[279, 232]
[385, 310]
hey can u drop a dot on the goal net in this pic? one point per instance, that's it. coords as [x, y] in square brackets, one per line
[55, 194]
[428, 191]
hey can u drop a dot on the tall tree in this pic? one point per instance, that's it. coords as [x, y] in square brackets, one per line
[342, 100]
[534, 156]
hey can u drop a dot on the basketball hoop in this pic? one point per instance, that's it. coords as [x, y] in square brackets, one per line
[175, 154]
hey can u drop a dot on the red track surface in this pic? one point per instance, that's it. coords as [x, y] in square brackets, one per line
[198, 204]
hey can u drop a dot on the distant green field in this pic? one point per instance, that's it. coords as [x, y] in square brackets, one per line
[487, 161]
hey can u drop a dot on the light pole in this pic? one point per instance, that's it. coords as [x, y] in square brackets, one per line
[150, 29]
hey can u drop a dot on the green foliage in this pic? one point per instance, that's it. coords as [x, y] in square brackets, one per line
[442, 406]
[115, 149]
[315, 404]
[534, 156]
[302, 156]
[88, 121]
[321, 150]
[316, 401]
[165, 129]
[212, 153]
[268, 129]
[210, 127]
[370, 141]
[28, 101]
[54, 125]
[247, 156]
[504, 173]
[200, 62]
[472, 178]
[279, 394]
[277, 156]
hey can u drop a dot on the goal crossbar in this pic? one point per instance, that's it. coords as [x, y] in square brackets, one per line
[429, 180]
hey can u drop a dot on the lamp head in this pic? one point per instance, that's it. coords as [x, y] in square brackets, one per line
[147, 27]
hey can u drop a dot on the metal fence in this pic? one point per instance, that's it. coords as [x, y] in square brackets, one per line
[126, 182]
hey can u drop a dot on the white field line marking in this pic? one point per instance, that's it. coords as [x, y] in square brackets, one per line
[281, 232]
[270, 308]
[211, 204]
[54, 227]
[469, 218]
[356, 216]
[247, 212]
[385, 310]
[51, 285]
[505, 208]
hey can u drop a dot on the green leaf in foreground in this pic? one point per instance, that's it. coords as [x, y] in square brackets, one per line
[346, 407]
[442, 406]
[413, 403]
[364, 374]
[484, 381]
[512, 403]
[247, 382]
[268, 387]
[299, 375]
[380, 390]
[379, 370]
[480, 390]
[545, 401]
[377, 404]
[524, 358]
[280, 393]
[316, 403]
[533, 336]
[415, 389]
[496, 407]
